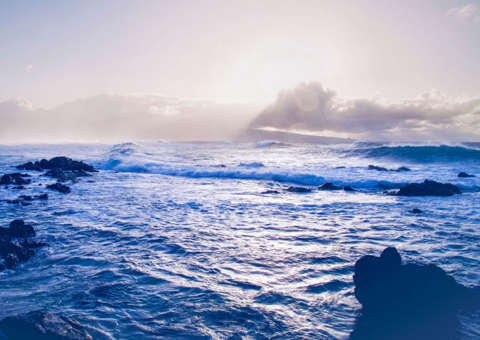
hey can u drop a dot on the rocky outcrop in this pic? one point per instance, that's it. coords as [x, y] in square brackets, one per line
[39, 325]
[64, 176]
[428, 188]
[25, 199]
[61, 163]
[465, 175]
[407, 301]
[64, 189]
[15, 178]
[379, 168]
[298, 189]
[16, 245]
[329, 186]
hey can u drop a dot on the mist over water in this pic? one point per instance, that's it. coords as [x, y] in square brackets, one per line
[110, 118]
[307, 108]
[202, 241]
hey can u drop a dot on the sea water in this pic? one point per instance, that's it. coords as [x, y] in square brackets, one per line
[202, 241]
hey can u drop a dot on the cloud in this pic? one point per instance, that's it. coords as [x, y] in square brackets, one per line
[28, 68]
[467, 11]
[115, 117]
[309, 107]
[431, 116]
[15, 105]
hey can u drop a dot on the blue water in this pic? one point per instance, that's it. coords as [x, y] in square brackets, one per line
[180, 241]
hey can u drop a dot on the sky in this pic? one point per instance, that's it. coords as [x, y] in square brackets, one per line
[237, 56]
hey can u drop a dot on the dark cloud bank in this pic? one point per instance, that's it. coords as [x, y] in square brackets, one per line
[308, 108]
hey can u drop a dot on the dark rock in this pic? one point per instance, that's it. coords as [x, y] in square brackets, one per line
[19, 187]
[30, 166]
[42, 197]
[298, 189]
[329, 186]
[428, 188]
[11, 261]
[378, 168]
[403, 168]
[59, 187]
[340, 167]
[465, 175]
[25, 204]
[13, 201]
[271, 192]
[18, 228]
[348, 188]
[39, 325]
[63, 176]
[29, 243]
[26, 198]
[61, 163]
[15, 178]
[416, 211]
[60, 175]
[407, 301]
[15, 245]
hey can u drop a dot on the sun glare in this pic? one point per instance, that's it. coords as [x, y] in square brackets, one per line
[274, 70]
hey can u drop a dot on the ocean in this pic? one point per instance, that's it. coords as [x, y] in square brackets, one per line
[207, 241]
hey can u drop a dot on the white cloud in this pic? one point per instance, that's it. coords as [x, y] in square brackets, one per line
[29, 68]
[467, 11]
[309, 107]
[431, 116]
[15, 106]
[114, 117]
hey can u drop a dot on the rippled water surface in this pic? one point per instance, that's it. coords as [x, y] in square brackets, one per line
[182, 240]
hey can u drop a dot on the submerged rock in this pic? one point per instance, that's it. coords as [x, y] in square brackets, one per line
[465, 175]
[349, 188]
[416, 211]
[407, 301]
[271, 192]
[329, 186]
[63, 176]
[39, 325]
[60, 163]
[13, 201]
[428, 188]
[59, 187]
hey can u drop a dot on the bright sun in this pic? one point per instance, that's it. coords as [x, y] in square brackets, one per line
[277, 69]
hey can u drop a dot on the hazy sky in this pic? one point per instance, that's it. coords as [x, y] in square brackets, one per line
[53, 51]
[57, 51]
